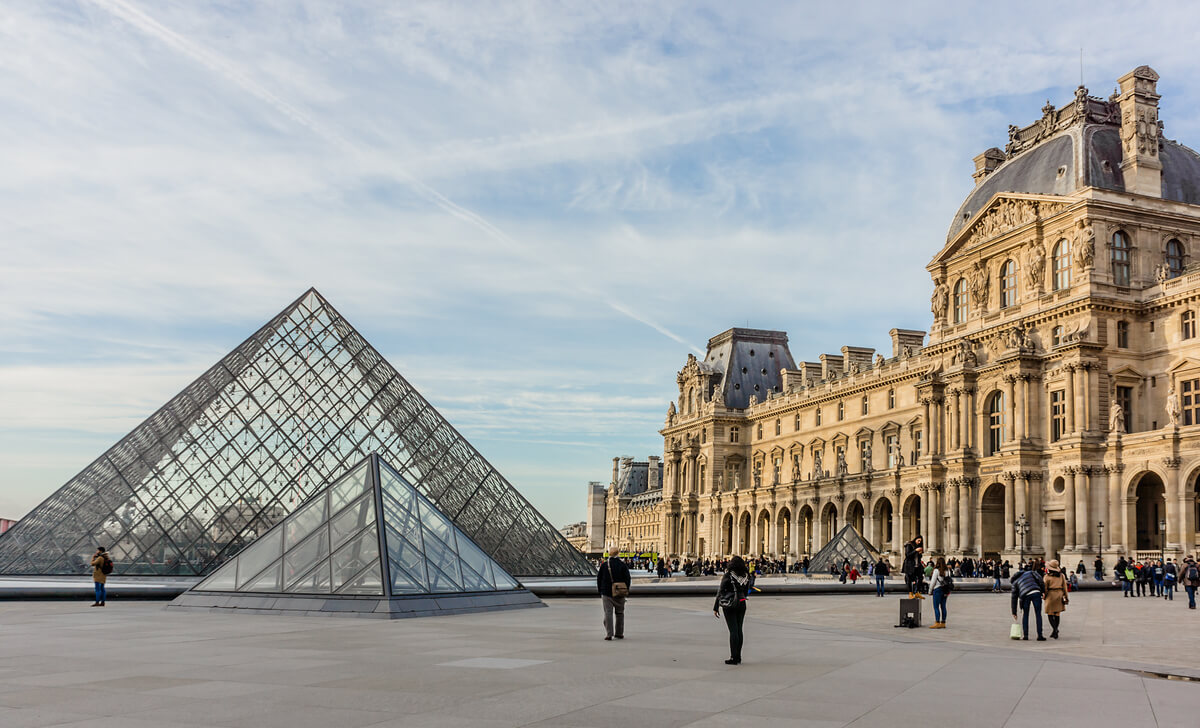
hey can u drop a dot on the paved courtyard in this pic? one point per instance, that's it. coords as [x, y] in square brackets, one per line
[810, 661]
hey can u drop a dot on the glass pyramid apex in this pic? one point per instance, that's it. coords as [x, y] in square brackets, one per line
[847, 546]
[368, 533]
[251, 440]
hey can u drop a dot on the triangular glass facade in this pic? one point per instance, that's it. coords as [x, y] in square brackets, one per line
[370, 533]
[847, 546]
[244, 445]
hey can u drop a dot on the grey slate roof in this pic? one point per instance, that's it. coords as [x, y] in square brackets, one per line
[749, 361]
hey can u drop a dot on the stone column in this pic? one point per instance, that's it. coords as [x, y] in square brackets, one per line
[1071, 394]
[926, 444]
[1100, 489]
[924, 530]
[1019, 496]
[1115, 528]
[1010, 515]
[934, 539]
[897, 537]
[965, 499]
[1070, 533]
[1087, 400]
[972, 420]
[952, 541]
[935, 411]
[1010, 428]
[1025, 387]
[1037, 518]
[1174, 514]
[1021, 401]
[774, 526]
[1083, 495]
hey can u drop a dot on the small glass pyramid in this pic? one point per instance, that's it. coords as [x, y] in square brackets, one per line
[847, 546]
[369, 533]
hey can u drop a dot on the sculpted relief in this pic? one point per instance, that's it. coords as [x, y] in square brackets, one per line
[1035, 266]
[1084, 244]
[939, 302]
[1008, 215]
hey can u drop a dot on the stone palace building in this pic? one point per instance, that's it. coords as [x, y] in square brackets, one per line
[1054, 410]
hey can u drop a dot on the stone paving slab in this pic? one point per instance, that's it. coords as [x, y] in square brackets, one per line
[809, 661]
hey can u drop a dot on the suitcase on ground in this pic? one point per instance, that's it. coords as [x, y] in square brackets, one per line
[910, 613]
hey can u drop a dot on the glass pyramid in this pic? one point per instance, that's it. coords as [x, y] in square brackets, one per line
[847, 546]
[369, 533]
[249, 441]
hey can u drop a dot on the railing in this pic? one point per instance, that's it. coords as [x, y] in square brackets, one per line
[1147, 555]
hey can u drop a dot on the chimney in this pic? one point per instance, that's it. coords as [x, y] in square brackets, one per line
[1140, 132]
[616, 461]
[986, 163]
[910, 338]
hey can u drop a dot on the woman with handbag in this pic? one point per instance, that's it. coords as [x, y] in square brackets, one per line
[940, 584]
[1056, 595]
[731, 597]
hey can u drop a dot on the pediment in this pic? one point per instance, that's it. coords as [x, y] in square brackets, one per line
[1130, 372]
[863, 432]
[1004, 213]
[817, 442]
[914, 421]
[890, 426]
[1184, 364]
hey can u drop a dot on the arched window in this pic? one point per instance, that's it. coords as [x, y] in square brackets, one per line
[1061, 262]
[960, 301]
[1008, 284]
[1120, 258]
[995, 413]
[1174, 258]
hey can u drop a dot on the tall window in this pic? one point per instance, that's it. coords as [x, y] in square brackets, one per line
[1008, 284]
[960, 301]
[864, 404]
[1122, 334]
[1120, 258]
[1191, 401]
[1125, 397]
[703, 481]
[891, 399]
[778, 427]
[1058, 414]
[797, 423]
[841, 411]
[760, 430]
[733, 434]
[918, 438]
[995, 410]
[1174, 258]
[1187, 324]
[891, 443]
[1061, 262]
[1056, 335]
[818, 417]
[778, 469]
[864, 458]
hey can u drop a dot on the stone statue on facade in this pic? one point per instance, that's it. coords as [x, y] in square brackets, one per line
[818, 471]
[978, 285]
[1116, 418]
[796, 466]
[1035, 265]
[842, 469]
[1085, 246]
[1162, 273]
[940, 300]
[867, 457]
[897, 456]
[1172, 406]
[671, 414]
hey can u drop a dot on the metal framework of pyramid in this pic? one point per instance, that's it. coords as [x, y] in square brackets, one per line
[241, 447]
[847, 546]
[369, 544]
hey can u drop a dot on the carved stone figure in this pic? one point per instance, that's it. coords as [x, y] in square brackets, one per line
[1035, 265]
[1085, 246]
[867, 465]
[940, 300]
[965, 353]
[1014, 338]
[796, 466]
[818, 471]
[671, 414]
[1116, 418]
[842, 469]
[1162, 273]
[1172, 406]
[978, 285]
[718, 394]
[897, 456]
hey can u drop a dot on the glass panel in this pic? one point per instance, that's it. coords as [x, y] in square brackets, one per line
[224, 579]
[439, 583]
[472, 581]
[303, 521]
[348, 488]
[436, 523]
[504, 581]
[256, 557]
[402, 520]
[407, 556]
[404, 583]
[475, 560]
[314, 582]
[368, 582]
[355, 556]
[270, 581]
[396, 487]
[352, 520]
[302, 558]
[439, 556]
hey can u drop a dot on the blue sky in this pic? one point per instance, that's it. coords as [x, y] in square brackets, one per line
[534, 210]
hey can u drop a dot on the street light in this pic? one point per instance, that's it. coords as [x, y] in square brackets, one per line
[1162, 539]
[1100, 527]
[1022, 529]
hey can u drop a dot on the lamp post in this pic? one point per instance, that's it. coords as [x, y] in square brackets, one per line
[1022, 529]
[1162, 539]
[1100, 528]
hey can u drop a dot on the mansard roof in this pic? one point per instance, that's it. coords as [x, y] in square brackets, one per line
[750, 361]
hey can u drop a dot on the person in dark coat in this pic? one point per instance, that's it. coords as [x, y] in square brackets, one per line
[731, 597]
[912, 567]
[1027, 591]
[612, 572]
[882, 569]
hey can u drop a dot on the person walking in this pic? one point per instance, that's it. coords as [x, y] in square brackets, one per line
[101, 568]
[731, 597]
[1027, 590]
[1170, 579]
[1056, 596]
[882, 569]
[613, 582]
[912, 567]
[1098, 565]
[1189, 577]
[940, 584]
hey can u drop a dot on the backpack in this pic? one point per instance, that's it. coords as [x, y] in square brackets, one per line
[947, 584]
[1193, 573]
[107, 567]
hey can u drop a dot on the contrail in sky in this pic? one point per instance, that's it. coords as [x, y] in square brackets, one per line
[143, 22]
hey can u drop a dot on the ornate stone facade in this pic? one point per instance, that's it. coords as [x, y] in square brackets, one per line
[1059, 388]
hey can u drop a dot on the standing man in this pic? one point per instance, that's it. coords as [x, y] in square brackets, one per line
[612, 581]
[1098, 565]
[1027, 591]
[882, 569]
[101, 568]
[1189, 577]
